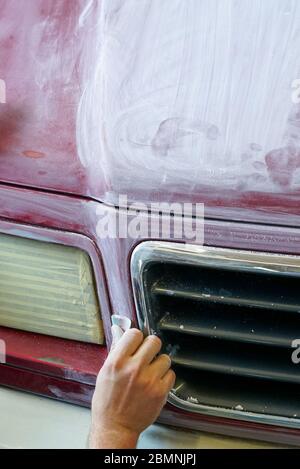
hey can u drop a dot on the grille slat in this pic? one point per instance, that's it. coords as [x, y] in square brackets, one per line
[229, 328]
[247, 302]
[222, 357]
[228, 319]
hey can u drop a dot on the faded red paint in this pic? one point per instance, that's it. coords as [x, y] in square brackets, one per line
[67, 359]
[40, 52]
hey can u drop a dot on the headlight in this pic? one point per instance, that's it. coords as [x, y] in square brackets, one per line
[49, 289]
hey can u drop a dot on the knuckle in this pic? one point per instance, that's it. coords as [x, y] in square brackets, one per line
[134, 369]
[135, 333]
[155, 340]
[115, 364]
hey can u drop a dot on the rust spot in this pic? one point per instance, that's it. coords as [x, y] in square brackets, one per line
[33, 154]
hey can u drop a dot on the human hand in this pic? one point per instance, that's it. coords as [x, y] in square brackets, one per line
[132, 387]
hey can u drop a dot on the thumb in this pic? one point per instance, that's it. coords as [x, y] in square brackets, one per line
[117, 333]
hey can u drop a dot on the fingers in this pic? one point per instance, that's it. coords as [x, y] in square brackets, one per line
[129, 343]
[169, 380]
[161, 365]
[149, 349]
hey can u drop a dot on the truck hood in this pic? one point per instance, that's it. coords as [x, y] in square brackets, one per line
[159, 101]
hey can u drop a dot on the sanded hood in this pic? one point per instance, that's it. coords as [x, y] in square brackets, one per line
[160, 101]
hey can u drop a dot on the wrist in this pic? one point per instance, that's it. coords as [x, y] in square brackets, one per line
[112, 437]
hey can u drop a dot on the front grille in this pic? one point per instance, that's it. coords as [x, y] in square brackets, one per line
[228, 318]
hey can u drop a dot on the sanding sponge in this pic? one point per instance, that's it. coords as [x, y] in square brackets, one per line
[120, 324]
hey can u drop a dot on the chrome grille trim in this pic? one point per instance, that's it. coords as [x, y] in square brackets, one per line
[151, 251]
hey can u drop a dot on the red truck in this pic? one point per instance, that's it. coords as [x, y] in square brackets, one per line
[115, 114]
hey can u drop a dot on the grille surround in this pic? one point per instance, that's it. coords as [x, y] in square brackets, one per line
[151, 252]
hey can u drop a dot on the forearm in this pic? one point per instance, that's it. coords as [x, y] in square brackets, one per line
[112, 438]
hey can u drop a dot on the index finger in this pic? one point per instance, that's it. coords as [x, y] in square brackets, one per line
[129, 343]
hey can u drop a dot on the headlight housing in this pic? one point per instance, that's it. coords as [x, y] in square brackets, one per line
[49, 289]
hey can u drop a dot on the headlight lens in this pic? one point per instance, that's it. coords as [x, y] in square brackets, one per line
[49, 289]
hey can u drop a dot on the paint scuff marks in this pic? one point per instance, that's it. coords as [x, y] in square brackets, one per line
[171, 131]
[175, 95]
[282, 164]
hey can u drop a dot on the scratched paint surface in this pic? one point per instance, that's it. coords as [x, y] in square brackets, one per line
[153, 99]
[40, 50]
